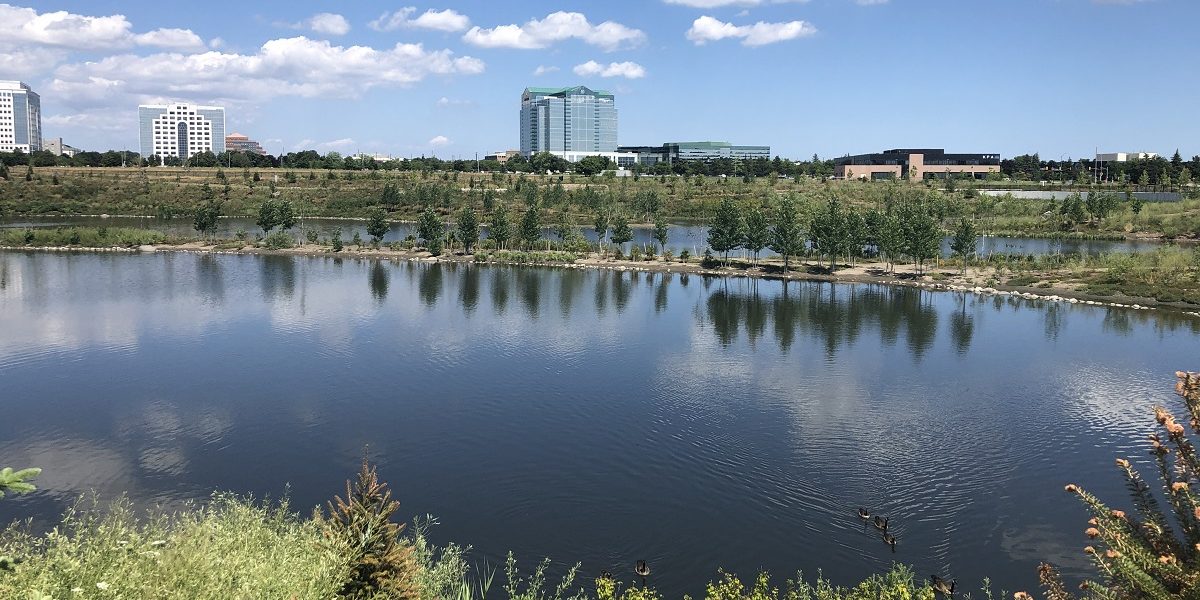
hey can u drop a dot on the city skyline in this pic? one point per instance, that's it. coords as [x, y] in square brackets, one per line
[830, 77]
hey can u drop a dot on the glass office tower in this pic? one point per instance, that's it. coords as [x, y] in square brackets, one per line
[575, 119]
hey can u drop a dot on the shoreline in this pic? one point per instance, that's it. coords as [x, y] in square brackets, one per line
[855, 275]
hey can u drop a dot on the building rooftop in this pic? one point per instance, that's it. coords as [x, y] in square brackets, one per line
[550, 91]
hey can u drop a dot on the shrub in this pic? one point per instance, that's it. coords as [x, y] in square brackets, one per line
[278, 240]
[380, 564]
[685, 256]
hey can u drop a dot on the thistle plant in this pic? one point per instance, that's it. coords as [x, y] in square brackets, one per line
[382, 566]
[1152, 553]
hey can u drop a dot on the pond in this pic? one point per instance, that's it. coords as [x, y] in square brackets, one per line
[591, 415]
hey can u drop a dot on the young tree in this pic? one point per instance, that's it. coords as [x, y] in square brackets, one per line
[922, 238]
[429, 228]
[285, 215]
[963, 243]
[787, 237]
[757, 233]
[660, 234]
[268, 216]
[468, 228]
[377, 225]
[531, 226]
[564, 227]
[381, 565]
[828, 231]
[726, 231]
[600, 225]
[621, 232]
[501, 230]
[4, 171]
[207, 215]
[883, 230]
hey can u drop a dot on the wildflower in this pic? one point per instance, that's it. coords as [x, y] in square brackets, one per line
[1072, 488]
[1085, 585]
[1167, 559]
[1120, 514]
[1124, 464]
[1112, 554]
[1161, 415]
[1089, 550]
[1179, 486]
[1196, 513]
[1092, 532]
[101, 585]
[1093, 522]
[1022, 596]
[1174, 428]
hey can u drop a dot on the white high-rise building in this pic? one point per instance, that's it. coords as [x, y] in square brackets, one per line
[20, 118]
[181, 130]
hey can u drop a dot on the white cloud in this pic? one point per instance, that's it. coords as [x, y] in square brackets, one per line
[543, 69]
[439, 140]
[870, 2]
[439, 20]
[25, 26]
[216, 43]
[296, 66]
[329, 24]
[724, 3]
[556, 27]
[446, 102]
[341, 145]
[628, 70]
[707, 29]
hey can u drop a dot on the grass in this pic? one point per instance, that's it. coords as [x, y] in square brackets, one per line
[84, 237]
[519, 257]
[231, 548]
[235, 548]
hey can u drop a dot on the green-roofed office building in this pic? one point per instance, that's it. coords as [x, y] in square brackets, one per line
[568, 120]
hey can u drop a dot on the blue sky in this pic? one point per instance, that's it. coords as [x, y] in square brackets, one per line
[1060, 77]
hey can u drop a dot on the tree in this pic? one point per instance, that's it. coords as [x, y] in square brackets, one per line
[1073, 209]
[726, 231]
[591, 165]
[468, 228]
[884, 231]
[501, 230]
[207, 215]
[531, 226]
[660, 234]
[285, 215]
[1135, 203]
[564, 227]
[268, 216]
[787, 237]
[4, 171]
[381, 565]
[828, 231]
[922, 238]
[390, 197]
[963, 243]
[1101, 204]
[600, 226]
[429, 228]
[757, 233]
[621, 232]
[377, 225]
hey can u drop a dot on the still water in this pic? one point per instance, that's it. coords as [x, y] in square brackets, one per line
[598, 416]
[692, 238]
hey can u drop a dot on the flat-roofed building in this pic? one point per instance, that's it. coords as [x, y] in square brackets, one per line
[916, 164]
[1125, 156]
[570, 119]
[502, 156]
[236, 142]
[671, 152]
[181, 130]
[20, 118]
[56, 147]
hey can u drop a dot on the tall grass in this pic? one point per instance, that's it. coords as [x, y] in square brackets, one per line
[86, 237]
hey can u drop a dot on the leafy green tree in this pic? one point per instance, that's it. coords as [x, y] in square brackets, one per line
[922, 238]
[592, 165]
[285, 215]
[390, 197]
[1144, 178]
[268, 216]
[757, 233]
[621, 232]
[429, 227]
[600, 226]
[726, 232]
[648, 203]
[828, 231]
[382, 566]
[468, 228]
[377, 225]
[661, 233]
[1101, 204]
[17, 482]
[4, 171]
[1135, 203]
[207, 216]
[336, 241]
[531, 226]
[884, 232]
[963, 242]
[1073, 209]
[787, 234]
[564, 227]
[501, 230]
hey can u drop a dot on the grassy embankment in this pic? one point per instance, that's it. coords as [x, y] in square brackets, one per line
[172, 191]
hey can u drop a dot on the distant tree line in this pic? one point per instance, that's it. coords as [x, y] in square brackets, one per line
[1156, 171]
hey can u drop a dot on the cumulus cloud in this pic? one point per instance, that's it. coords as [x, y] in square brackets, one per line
[707, 29]
[448, 20]
[24, 27]
[543, 69]
[296, 66]
[628, 70]
[329, 24]
[556, 27]
[439, 140]
[724, 3]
